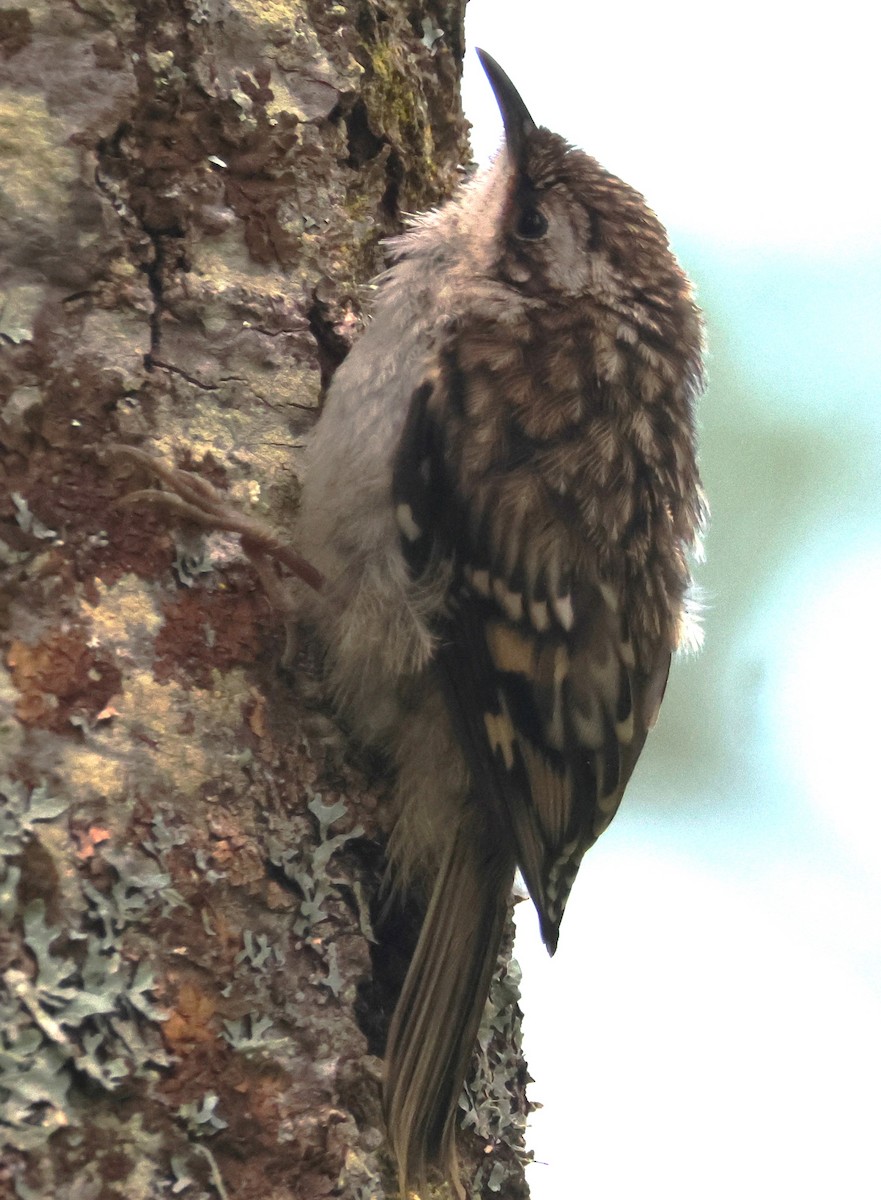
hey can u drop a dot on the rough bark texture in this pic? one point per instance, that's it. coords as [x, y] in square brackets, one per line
[192, 196]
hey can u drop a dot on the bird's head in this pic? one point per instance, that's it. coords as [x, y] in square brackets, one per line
[565, 227]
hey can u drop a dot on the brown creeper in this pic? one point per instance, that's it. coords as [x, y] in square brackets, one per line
[501, 494]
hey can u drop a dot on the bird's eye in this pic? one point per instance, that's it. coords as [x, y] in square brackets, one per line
[532, 223]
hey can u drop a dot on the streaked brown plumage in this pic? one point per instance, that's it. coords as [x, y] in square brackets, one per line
[503, 494]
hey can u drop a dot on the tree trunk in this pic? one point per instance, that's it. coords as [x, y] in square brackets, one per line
[192, 197]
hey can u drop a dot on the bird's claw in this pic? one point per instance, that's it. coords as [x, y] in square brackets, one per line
[193, 498]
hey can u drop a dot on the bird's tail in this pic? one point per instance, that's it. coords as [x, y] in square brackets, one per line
[434, 1027]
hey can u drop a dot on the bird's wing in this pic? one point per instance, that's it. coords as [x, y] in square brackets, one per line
[541, 676]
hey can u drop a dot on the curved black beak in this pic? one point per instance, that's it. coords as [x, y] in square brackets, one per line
[518, 123]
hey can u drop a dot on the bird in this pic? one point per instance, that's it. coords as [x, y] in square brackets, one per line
[500, 510]
[503, 498]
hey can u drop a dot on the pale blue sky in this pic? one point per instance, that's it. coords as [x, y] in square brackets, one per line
[711, 1024]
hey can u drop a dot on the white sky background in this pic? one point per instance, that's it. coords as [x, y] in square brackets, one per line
[711, 1024]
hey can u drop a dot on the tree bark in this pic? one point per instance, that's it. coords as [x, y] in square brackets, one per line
[194, 995]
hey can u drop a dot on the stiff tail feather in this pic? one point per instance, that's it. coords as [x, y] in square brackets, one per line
[435, 1023]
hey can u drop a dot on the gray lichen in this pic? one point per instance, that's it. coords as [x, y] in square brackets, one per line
[75, 1006]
